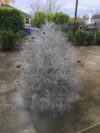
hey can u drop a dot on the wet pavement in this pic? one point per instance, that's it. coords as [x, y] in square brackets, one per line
[85, 112]
[13, 118]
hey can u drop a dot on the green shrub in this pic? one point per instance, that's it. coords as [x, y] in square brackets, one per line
[7, 40]
[98, 37]
[39, 19]
[84, 38]
[50, 16]
[78, 21]
[89, 38]
[70, 37]
[21, 34]
[80, 37]
[60, 18]
[11, 19]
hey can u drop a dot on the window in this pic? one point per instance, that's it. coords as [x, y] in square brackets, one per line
[27, 21]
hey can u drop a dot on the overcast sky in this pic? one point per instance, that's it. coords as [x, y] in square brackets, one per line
[69, 5]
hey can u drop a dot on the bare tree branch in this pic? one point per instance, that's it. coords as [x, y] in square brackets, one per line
[53, 5]
[36, 6]
[46, 5]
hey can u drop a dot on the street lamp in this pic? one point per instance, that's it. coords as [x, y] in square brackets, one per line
[75, 17]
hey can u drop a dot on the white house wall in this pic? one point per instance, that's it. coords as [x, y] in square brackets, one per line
[97, 21]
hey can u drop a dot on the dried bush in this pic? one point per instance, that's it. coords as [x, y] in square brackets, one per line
[50, 81]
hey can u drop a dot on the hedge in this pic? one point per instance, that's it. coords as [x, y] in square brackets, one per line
[58, 18]
[98, 37]
[7, 40]
[11, 19]
[39, 19]
[84, 38]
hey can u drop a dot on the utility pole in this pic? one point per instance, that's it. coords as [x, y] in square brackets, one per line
[75, 17]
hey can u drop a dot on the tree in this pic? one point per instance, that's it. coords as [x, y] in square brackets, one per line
[47, 5]
[36, 6]
[53, 5]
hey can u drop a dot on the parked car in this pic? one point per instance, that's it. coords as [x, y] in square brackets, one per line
[89, 27]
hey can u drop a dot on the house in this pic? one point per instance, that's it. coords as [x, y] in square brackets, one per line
[95, 19]
[92, 18]
[87, 18]
[92, 21]
[27, 20]
[27, 17]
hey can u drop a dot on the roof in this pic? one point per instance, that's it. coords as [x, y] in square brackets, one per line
[6, 5]
[85, 17]
[26, 15]
[96, 16]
